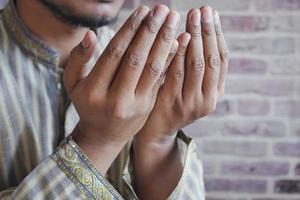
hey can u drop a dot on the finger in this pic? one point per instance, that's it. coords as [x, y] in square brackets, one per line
[156, 62]
[171, 54]
[223, 50]
[163, 75]
[108, 63]
[173, 85]
[136, 56]
[211, 55]
[169, 60]
[80, 56]
[195, 57]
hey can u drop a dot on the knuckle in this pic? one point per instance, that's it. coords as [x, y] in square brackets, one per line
[224, 55]
[208, 29]
[155, 68]
[181, 52]
[197, 64]
[135, 59]
[213, 61]
[196, 34]
[118, 111]
[151, 25]
[91, 96]
[133, 24]
[167, 34]
[179, 74]
[115, 51]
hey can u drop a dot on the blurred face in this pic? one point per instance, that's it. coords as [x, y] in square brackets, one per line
[86, 13]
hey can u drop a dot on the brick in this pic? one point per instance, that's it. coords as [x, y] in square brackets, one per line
[287, 108]
[233, 148]
[287, 186]
[253, 107]
[295, 128]
[155, 2]
[298, 44]
[240, 185]
[260, 86]
[245, 23]
[273, 5]
[247, 66]
[286, 23]
[262, 46]
[255, 128]
[224, 5]
[287, 149]
[298, 88]
[204, 128]
[223, 107]
[209, 167]
[285, 66]
[261, 168]
[297, 170]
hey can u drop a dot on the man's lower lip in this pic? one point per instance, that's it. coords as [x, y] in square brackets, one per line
[106, 1]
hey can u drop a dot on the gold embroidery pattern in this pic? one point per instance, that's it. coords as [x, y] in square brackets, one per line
[83, 174]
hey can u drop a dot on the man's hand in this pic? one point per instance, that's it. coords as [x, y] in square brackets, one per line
[115, 99]
[195, 79]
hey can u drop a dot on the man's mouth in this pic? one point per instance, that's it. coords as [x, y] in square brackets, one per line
[106, 1]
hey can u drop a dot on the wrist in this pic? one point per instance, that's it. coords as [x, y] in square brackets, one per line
[154, 138]
[100, 151]
[149, 144]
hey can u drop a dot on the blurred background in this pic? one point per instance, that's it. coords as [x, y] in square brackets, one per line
[251, 145]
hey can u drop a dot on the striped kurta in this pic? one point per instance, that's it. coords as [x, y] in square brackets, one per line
[38, 158]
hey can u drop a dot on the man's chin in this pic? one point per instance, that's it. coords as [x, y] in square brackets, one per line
[69, 16]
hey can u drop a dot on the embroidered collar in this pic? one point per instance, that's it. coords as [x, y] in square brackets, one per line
[26, 39]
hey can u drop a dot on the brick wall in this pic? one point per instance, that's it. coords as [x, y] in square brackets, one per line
[251, 144]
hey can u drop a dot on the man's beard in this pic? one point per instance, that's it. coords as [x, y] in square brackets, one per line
[69, 16]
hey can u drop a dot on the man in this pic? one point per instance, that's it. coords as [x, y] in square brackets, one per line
[131, 100]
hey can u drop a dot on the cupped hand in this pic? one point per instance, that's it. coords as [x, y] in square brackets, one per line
[195, 78]
[115, 99]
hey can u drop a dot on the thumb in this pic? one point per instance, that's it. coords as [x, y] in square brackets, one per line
[79, 57]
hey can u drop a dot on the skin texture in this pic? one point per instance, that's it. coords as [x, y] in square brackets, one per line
[194, 82]
[118, 99]
[147, 84]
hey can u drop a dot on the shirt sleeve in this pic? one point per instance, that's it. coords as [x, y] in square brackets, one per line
[190, 185]
[67, 175]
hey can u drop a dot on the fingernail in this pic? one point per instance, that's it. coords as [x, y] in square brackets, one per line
[141, 11]
[207, 15]
[85, 42]
[185, 40]
[196, 17]
[160, 11]
[172, 19]
[216, 17]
